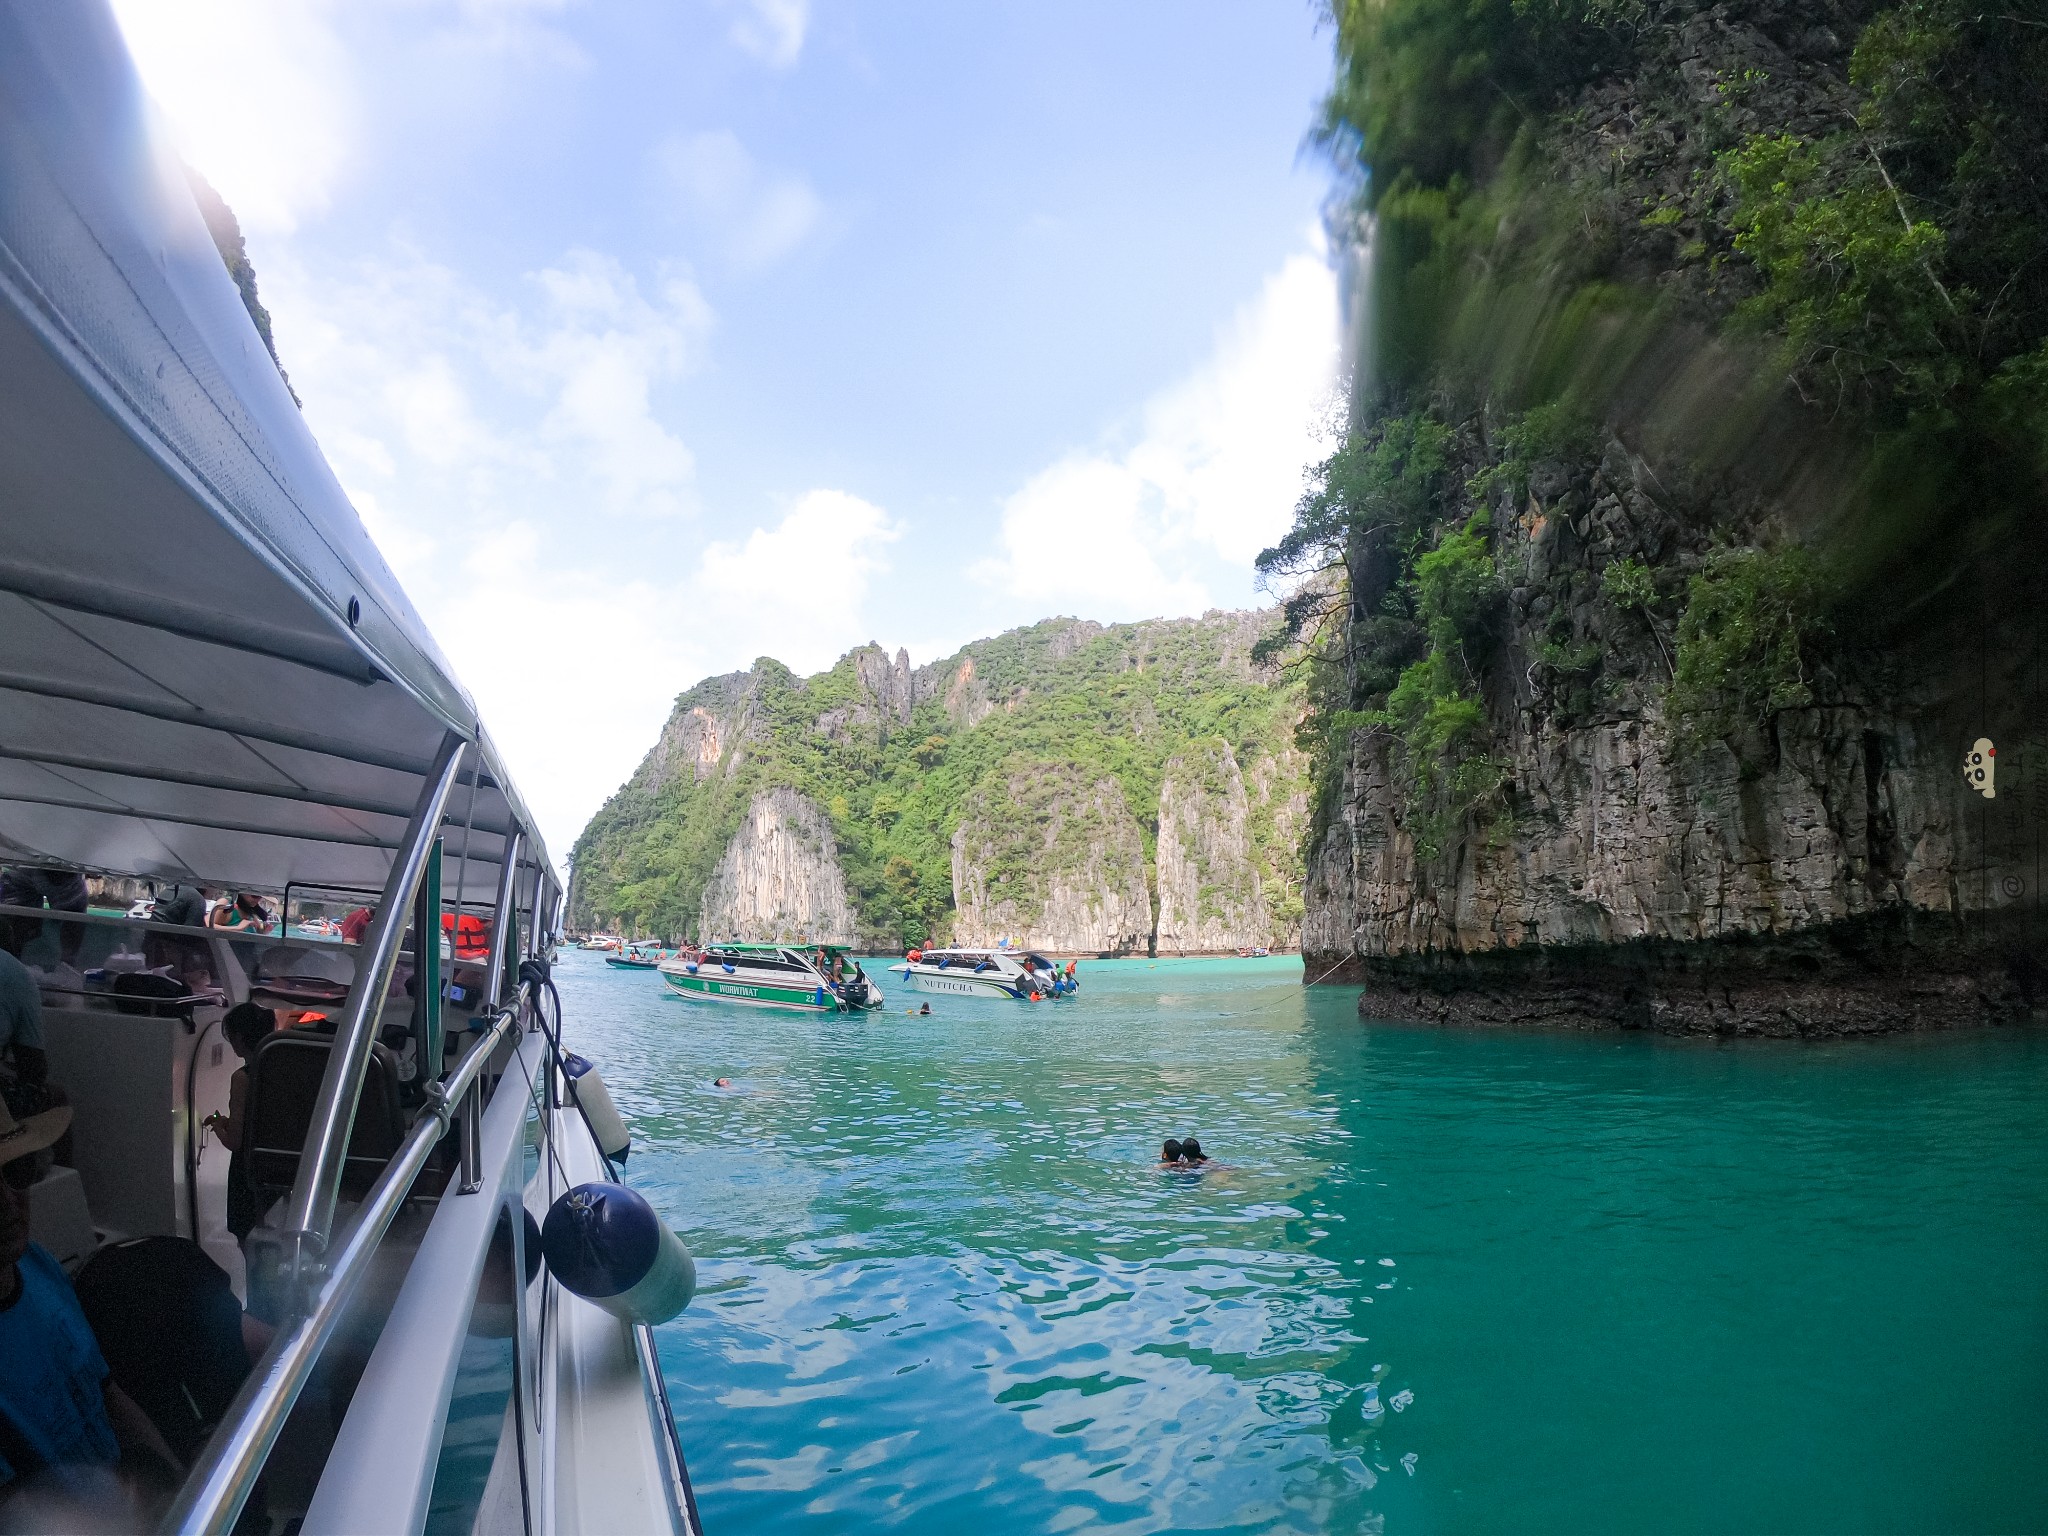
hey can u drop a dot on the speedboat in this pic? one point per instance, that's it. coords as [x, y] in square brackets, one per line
[636, 957]
[998, 972]
[774, 976]
[212, 678]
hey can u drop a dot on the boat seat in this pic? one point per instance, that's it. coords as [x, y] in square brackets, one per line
[152, 996]
[284, 1083]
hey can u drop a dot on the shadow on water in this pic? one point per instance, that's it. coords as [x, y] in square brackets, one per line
[1446, 1281]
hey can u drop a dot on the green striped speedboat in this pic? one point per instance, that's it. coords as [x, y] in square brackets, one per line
[774, 976]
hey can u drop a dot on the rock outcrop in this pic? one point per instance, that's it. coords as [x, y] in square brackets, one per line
[1050, 859]
[1830, 874]
[1210, 894]
[1045, 748]
[779, 877]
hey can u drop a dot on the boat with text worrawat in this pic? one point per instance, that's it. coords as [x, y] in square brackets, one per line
[808, 978]
[212, 679]
[987, 973]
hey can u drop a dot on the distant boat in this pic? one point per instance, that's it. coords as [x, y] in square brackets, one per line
[1260, 953]
[638, 957]
[986, 973]
[773, 976]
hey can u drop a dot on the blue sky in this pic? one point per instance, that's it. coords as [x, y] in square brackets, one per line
[707, 329]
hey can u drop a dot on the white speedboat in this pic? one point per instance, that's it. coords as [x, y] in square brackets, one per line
[987, 973]
[211, 677]
[815, 978]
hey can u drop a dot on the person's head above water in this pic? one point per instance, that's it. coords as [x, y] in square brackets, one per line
[721, 1082]
[1170, 1153]
[1191, 1150]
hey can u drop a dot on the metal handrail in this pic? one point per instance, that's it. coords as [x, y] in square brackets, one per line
[311, 1209]
[219, 1483]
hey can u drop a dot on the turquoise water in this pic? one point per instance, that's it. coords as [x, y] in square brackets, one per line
[1446, 1281]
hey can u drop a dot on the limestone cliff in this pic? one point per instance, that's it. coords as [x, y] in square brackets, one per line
[1051, 860]
[1212, 893]
[1014, 788]
[1686, 533]
[779, 877]
[1825, 873]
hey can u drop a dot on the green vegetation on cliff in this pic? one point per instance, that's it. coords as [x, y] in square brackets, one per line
[1782, 268]
[898, 758]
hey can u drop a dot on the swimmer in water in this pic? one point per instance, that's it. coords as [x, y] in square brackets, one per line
[1191, 1154]
[721, 1082]
[927, 1008]
[1169, 1155]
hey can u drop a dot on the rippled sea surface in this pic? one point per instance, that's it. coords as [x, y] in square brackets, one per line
[1439, 1282]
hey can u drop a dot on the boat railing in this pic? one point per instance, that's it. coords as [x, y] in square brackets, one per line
[220, 1482]
[315, 1278]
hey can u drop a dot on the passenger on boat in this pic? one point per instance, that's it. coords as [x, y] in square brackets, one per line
[244, 911]
[245, 1026]
[356, 924]
[172, 1334]
[63, 1423]
[183, 904]
[23, 1065]
[61, 890]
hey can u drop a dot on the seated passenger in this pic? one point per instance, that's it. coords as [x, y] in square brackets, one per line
[63, 1424]
[244, 912]
[172, 1334]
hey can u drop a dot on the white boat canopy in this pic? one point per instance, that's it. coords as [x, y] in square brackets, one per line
[209, 673]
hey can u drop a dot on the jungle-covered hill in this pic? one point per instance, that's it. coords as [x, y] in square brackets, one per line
[1069, 784]
[1691, 524]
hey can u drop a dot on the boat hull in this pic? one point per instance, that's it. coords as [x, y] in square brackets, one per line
[749, 992]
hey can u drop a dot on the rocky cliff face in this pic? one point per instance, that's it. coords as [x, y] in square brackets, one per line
[1013, 789]
[1825, 872]
[779, 877]
[1210, 893]
[1683, 541]
[1051, 860]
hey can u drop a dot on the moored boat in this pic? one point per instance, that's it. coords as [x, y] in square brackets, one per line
[638, 957]
[987, 973]
[809, 978]
[204, 639]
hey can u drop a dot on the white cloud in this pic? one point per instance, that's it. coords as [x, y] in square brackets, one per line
[258, 96]
[411, 375]
[1213, 474]
[771, 30]
[752, 215]
[514, 463]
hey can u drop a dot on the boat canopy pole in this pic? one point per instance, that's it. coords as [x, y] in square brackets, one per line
[469, 1114]
[311, 1211]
